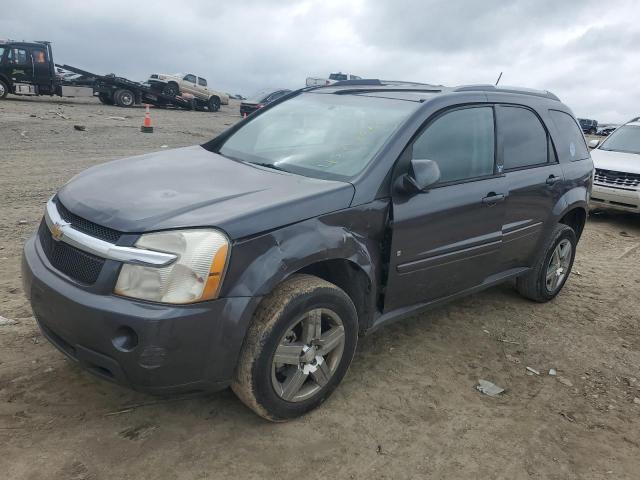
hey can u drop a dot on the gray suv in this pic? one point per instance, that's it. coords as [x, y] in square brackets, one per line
[257, 259]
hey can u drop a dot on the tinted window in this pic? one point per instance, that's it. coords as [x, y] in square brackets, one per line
[461, 142]
[18, 56]
[190, 78]
[1, 53]
[524, 139]
[38, 56]
[570, 145]
[202, 82]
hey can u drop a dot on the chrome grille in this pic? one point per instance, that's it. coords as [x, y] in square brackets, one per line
[617, 179]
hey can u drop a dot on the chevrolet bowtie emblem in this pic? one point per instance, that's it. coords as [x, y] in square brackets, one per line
[56, 230]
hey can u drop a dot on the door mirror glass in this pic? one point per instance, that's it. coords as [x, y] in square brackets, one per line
[594, 143]
[425, 173]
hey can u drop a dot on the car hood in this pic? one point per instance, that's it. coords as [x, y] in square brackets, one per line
[191, 187]
[617, 161]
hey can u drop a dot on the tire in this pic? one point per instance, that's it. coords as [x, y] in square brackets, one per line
[288, 317]
[124, 98]
[105, 98]
[542, 284]
[4, 89]
[171, 89]
[214, 104]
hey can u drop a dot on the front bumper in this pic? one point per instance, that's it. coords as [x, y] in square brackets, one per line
[626, 200]
[173, 348]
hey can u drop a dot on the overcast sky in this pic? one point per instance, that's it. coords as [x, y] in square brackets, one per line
[587, 52]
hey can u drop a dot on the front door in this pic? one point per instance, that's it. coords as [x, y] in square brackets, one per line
[449, 238]
[20, 66]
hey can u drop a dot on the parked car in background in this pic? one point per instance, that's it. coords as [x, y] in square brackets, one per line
[606, 130]
[261, 99]
[257, 259]
[177, 84]
[616, 160]
[333, 78]
[588, 126]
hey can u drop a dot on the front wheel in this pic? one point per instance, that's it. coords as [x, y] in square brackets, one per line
[4, 89]
[298, 348]
[552, 270]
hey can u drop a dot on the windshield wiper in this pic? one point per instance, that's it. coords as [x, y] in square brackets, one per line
[269, 165]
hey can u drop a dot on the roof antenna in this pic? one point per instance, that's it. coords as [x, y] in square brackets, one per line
[499, 77]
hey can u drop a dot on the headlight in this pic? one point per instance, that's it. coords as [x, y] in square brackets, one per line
[196, 274]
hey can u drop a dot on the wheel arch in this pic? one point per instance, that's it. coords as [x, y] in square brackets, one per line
[343, 248]
[576, 218]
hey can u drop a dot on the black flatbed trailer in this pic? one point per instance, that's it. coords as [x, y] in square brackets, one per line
[27, 68]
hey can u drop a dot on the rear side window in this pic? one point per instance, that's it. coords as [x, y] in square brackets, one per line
[571, 145]
[461, 142]
[202, 82]
[524, 139]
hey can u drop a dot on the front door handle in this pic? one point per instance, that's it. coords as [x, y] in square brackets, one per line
[492, 198]
[552, 180]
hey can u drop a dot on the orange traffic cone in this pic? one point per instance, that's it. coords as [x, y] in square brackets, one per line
[146, 126]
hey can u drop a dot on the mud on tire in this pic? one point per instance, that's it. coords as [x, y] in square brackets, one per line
[273, 321]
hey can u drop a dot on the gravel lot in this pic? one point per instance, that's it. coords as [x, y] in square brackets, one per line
[407, 408]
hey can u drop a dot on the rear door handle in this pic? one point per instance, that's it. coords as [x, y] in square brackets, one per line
[493, 198]
[552, 180]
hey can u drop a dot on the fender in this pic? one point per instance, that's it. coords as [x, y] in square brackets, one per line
[258, 264]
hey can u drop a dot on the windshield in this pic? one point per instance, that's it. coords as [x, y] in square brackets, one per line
[319, 135]
[624, 139]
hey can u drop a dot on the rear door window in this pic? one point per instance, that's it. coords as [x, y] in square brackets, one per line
[570, 144]
[202, 82]
[524, 139]
[461, 142]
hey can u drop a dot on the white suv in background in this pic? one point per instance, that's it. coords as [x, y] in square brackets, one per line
[617, 169]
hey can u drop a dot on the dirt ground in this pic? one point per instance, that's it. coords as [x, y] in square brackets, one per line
[406, 409]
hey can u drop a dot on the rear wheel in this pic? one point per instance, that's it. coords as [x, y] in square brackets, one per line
[105, 98]
[214, 104]
[4, 89]
[552, 270]
[171, 89]
[124, 98]
[298, 348]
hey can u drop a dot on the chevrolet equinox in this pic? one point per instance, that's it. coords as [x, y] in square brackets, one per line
[257, 259]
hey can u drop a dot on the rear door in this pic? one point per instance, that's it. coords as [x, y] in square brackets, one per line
[41, 66]
[534, 178]
[448, 239]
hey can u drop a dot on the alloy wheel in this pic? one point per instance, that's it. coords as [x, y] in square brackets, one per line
[308, 355]
[559, 264]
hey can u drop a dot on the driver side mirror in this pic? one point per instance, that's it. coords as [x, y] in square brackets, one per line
[594, 143]
[425, 174]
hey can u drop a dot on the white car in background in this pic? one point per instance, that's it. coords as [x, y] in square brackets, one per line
[616, 160]
[333, 78]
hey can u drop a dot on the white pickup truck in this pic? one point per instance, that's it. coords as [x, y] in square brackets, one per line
[333, 78]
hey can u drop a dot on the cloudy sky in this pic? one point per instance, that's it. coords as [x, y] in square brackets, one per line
[587, 52]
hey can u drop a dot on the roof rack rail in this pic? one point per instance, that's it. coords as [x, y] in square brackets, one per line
[493, 88]
[362, 81]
